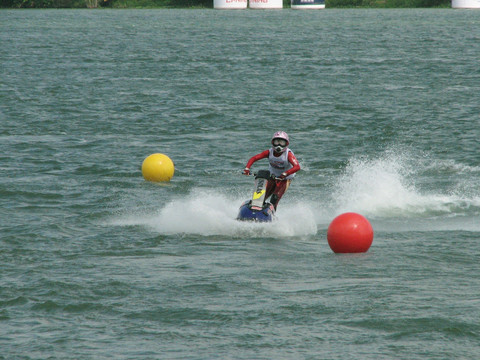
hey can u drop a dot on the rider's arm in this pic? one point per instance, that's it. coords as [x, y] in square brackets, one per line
[296, 166]
[257, 157]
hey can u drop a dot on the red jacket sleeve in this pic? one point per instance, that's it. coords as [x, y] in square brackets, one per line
[296, 166]
[262, 155]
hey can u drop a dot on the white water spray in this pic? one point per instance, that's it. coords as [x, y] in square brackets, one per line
[207, 213]
[388, 187]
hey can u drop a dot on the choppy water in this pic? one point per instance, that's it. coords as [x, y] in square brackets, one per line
[383, 113]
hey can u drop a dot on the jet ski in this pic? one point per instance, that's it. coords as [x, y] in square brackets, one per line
[257, 209]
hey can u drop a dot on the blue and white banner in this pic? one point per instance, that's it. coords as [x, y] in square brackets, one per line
[308, 4]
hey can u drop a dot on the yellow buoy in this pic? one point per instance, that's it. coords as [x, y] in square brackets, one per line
[158, 167]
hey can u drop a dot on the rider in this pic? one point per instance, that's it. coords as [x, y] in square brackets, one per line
[283, 165]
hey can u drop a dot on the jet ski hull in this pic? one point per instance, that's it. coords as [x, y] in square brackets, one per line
[248, 212]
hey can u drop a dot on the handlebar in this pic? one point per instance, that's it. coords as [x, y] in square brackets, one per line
[272, 176]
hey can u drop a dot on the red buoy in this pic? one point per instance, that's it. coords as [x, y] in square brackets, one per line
[350, 233]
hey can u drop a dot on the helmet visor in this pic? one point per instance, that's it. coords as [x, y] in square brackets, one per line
[279, 142]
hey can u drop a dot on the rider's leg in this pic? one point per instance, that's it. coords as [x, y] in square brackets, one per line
[270, 188]
[278, 192]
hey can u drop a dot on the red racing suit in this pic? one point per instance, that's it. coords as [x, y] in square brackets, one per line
[283, 166]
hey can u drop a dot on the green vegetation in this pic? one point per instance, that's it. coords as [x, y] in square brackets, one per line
[208, 3]
[388, 3]
[106, 3]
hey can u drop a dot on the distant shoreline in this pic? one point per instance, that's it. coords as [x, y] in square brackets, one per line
[208, 4]
[442, 6]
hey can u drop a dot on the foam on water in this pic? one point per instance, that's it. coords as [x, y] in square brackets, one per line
[208, 213]
[394, 190]
[390, 187]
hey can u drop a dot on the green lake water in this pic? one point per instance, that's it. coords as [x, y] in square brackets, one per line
[382, 109]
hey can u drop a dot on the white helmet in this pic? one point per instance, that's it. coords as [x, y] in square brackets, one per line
[280, 141]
